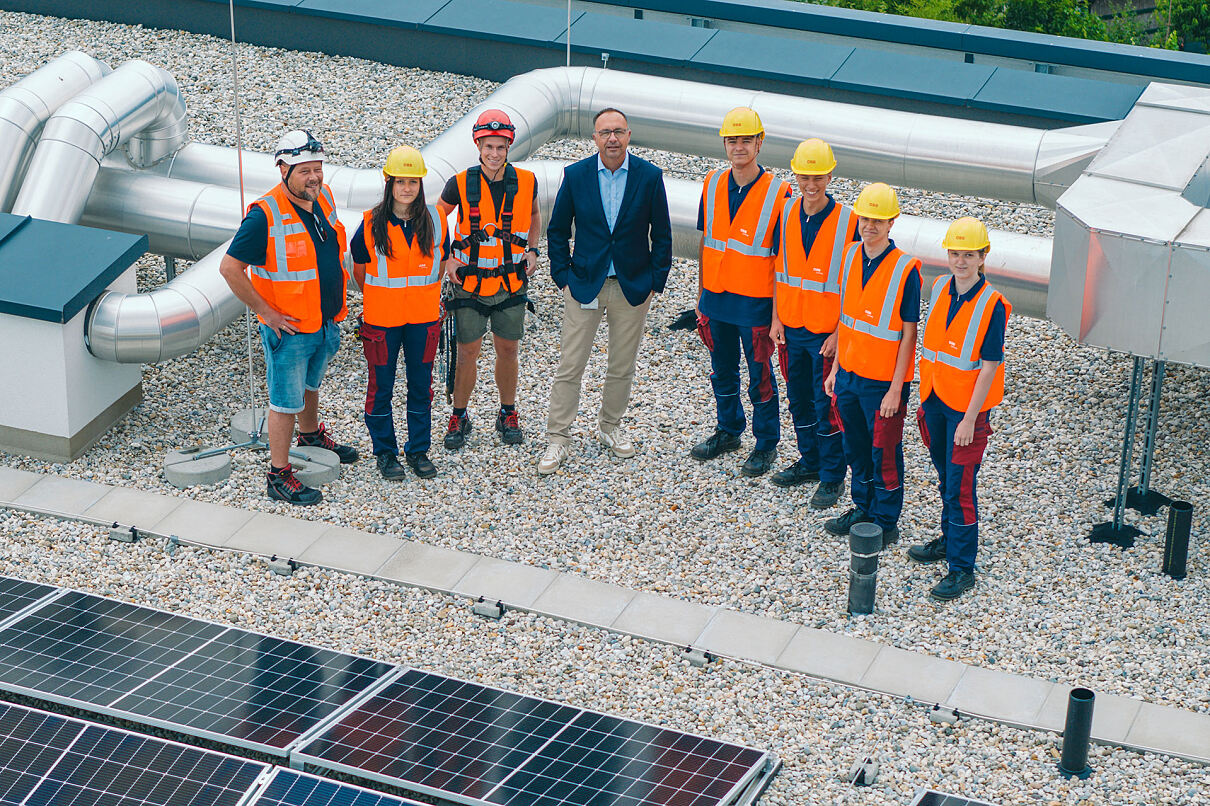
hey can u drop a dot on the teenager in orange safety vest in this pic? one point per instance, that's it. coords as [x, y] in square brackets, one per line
[875, 362]
[738, 215]
[813, 233]
[961, 381]
[491, 260]
[293, 245]
[397, 254]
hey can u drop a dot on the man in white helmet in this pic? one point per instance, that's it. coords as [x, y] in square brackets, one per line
[286, 264]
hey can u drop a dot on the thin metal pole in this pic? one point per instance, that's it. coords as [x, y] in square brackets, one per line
[1153, 423]
[1132, 410]
[254, 424]
[568, 33]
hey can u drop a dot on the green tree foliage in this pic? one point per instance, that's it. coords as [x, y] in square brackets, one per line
[1191, 22]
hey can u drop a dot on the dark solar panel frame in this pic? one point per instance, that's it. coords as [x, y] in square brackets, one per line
[745, 790]
[929, 797]
[181, 674]
[293, 788]
[19, 598]
[86, 764]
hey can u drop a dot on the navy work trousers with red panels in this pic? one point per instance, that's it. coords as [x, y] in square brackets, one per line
[382, 346]
[873, 446]
[957, 471]
[816, 420]
[724, 341]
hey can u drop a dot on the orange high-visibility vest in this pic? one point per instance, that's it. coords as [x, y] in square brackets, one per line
[491, 250]
[870, 324]
[949, 354]
[737, 256]
[808, 285]
[404, 289]
[289, 280]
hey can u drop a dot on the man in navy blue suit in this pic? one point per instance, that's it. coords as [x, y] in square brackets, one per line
[622, 256]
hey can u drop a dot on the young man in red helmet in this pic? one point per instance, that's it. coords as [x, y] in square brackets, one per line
[490, 264]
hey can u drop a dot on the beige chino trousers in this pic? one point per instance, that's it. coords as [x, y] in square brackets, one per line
[626, 323]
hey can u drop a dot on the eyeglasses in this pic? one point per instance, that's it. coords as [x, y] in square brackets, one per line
[320, 229]
[605, 134]
[312, 145]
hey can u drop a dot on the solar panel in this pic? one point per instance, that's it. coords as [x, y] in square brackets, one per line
[17, 594]
[252, 690]
[61, 761]
[930, 798]
[84, 650]
[289, 788]
[479, 745]
[601, 759]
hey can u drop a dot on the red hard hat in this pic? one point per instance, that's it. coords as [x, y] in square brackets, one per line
[493, 122]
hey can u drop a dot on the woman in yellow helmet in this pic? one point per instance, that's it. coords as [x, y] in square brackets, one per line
[961, 380]
[397, 254]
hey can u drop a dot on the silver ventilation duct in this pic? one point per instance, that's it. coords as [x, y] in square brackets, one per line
[136, 105]
[28, 104]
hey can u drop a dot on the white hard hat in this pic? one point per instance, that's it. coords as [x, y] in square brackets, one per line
[298, 146]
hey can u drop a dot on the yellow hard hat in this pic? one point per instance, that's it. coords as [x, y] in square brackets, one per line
[813, 157]
[404, 161]
[966, 234]
[741, 122]
[877, 200]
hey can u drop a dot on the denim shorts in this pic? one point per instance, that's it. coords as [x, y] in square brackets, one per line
[295, 362]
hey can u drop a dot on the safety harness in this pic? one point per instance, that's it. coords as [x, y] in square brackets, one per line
[478, 234]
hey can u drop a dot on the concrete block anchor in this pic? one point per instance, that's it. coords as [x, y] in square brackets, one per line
[282, 567]
[696, 657]
[314, 466]
[123, 534]
[191, 467]
[245, 420]
[492, 610]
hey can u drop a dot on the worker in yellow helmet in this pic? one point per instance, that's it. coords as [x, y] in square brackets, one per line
[813, 233]
[738, 215]
[875, 362]
[397, 254]
[961, 381]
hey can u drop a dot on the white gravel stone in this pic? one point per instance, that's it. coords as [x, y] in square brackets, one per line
[1048, 604]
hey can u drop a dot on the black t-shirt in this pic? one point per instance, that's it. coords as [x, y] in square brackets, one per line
[449, 194]
[361, 254]
[251, 245]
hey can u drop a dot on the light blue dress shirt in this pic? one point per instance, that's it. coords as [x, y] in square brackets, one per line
[613, 187]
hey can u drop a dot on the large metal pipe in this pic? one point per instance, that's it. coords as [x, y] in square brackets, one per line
[27, 105]
[137, 105]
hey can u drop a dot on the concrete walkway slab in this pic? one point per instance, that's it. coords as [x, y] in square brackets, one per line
[425, 566]
[69, 496]
[512, 583]
[902, 673]
[13, 482]
[1112, 715]
[662, 618]
[351, 550]
[820, 653]
[1171, 729]
[201, 522]
[999, 695]
[131, 507]
[584, 601]
[275, 534]
[744, 635]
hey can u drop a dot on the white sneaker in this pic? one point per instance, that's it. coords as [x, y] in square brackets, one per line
[550, 461]
[617, 442]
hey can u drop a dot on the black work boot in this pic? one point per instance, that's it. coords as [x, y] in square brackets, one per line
[794, 475]
[420, 464]
[826, 495]
[954, 584]
[509, 426]
[284, 487]
[758, 463]
[456, 431]
[389, 467]
[842, 525]
[715, 445]
[320, 439]
[926, 553]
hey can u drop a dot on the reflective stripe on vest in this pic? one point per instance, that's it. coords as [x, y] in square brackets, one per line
[881, 329]
[762, 223]
[960, 361]
[278, 232]
[832, 284]
[380, 279]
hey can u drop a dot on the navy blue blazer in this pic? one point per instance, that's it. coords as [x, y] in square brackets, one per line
[640, 245]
